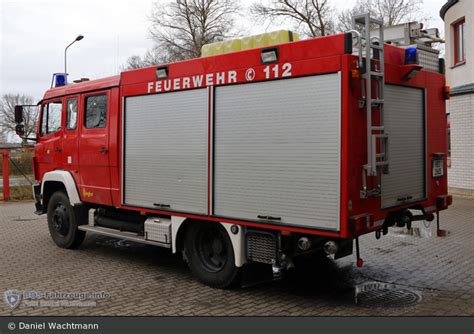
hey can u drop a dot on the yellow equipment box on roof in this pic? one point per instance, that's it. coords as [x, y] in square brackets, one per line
[245, 43]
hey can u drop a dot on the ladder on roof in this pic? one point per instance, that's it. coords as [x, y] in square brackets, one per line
[372, 65]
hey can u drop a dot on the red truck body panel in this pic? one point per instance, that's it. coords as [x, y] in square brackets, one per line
[102, 175]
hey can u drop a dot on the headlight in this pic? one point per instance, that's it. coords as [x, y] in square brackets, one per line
[438, 165]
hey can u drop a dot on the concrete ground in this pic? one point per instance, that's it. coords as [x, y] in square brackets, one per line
[434, 274]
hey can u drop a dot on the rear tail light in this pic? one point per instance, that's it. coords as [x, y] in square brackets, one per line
[443, 202]
[361, 223]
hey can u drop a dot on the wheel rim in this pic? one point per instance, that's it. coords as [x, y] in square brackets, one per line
[60, 219]
[211, 248]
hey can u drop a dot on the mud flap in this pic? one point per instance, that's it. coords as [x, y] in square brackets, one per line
[37, 196]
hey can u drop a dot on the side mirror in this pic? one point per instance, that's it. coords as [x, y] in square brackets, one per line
[18, 114]
[20, 130]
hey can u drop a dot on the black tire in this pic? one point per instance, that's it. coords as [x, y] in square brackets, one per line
[210, 255]
[63, 220]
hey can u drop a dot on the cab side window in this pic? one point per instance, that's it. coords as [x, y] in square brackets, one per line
[44, 119]
[51, 118]
[54, 116]
[96, 111]
[71, 114]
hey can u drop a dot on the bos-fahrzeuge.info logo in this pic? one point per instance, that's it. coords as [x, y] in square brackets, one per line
[29, 298]
[12, 298]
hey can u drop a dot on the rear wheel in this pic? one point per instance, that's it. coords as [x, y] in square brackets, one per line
[210, 255]
[63, 220]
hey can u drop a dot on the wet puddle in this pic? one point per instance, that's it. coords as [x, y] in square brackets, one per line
[422, 232]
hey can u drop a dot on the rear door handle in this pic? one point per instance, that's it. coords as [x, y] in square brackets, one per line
[269, 218]
[103, 150]
[57, 149]
[162, 205]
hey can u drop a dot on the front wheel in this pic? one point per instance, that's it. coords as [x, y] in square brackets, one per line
[210, 255]
[63, 220]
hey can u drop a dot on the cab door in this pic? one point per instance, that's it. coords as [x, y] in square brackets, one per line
[70, 156]
[49, 149]
[94, 166]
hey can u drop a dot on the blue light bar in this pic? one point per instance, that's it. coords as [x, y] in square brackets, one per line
[60, 80]
[411, 56]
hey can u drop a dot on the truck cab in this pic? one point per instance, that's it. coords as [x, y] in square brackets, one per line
[77, 133]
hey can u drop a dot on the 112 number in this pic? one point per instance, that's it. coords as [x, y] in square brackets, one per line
[273, 71]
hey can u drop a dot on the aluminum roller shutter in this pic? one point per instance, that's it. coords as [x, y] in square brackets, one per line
[277, 151]
[166, 150]
[405, 124]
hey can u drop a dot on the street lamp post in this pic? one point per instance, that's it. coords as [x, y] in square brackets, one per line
[78, 38]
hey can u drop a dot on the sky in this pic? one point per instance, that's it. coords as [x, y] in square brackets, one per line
[34, 33]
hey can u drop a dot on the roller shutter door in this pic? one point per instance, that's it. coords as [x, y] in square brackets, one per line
[405, 124]
[165, 158]
[277, 151]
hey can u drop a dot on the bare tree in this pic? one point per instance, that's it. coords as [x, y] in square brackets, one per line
[7, 113]
[133, 62]
[181, 27]
[312, 17]
[391, 11]
[150, 58]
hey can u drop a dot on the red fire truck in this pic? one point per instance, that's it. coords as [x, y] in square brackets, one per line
[257, 156]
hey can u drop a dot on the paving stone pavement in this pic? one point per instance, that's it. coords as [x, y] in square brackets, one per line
[145, 281]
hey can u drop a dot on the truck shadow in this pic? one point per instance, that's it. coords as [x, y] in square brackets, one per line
[320, 278]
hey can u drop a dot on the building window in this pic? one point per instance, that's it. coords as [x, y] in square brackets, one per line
[459, 41]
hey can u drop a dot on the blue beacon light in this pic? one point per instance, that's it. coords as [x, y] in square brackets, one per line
[411, 56]
[60, 80]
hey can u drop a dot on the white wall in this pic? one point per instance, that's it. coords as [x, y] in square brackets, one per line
[461, 107]
[461, 173]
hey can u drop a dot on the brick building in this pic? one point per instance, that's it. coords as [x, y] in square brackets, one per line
[458, 16]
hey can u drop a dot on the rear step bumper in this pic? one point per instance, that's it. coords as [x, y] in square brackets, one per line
[122, 235]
